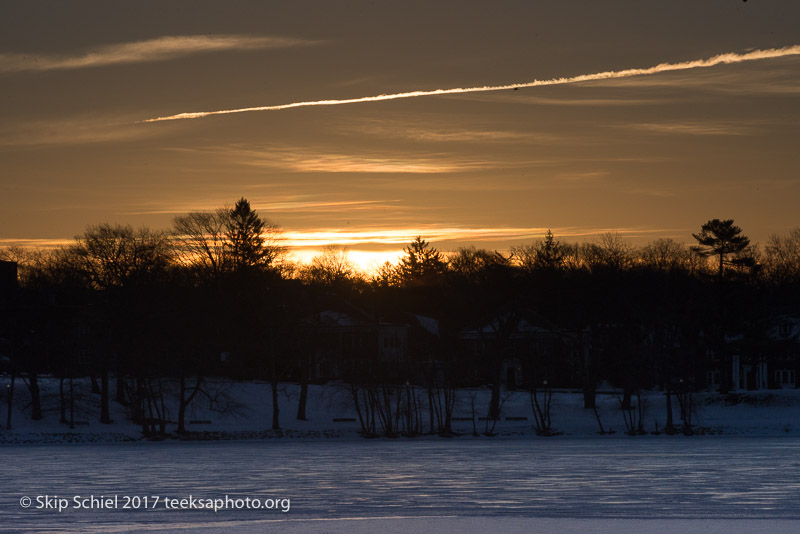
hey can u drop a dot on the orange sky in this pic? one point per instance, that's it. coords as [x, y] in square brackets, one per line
[648, 156]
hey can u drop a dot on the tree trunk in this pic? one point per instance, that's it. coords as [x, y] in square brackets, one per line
[120, 394]
[450, 403]
[185, 401]
[10, 401]
[670, 426]
[63, 399]
[430, 408]
[275, 409]
[494, 410]
[182, 407]
[626, 398]
[36, 401]
[71, 404]
[162, 415]
[589, 395]
[95, 387]
[105, 418]
[301, 404]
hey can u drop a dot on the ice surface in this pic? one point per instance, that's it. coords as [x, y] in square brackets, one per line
[654, 484]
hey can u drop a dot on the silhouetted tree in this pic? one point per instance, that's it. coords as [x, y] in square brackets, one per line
[475, 265]
[783, 257]
[122, 262]
[200, 239]
[721, 238]
[548, 253]
[118, 255]
[610, 252]
[332, 268]
[250, 240]
[421, 263]
[666, 255]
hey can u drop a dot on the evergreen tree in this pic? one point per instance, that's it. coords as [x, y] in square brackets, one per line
[421, 262]
[245, 238]
[550, 254]
[721, 238]
[547, 254]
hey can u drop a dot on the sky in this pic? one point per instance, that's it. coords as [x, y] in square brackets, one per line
[649, 156]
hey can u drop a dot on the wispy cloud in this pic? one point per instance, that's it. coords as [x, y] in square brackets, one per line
[72, 131]
[282, 206]
[439, 234]
[35, 243]
[721, 59]
[693, 128]
[159, 49]
[311, 160]
[449, 134]
[582, 177]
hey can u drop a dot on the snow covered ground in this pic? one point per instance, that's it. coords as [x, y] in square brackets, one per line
[743, 475]
[244, 411]
[509, 485]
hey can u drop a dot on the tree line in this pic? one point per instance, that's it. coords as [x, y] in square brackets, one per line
[216, 295]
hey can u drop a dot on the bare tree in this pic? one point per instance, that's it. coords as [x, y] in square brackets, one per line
[783, 255]
[473, 263]
[610, 251]
[115, 255]
[666, 254]
[199, 240]
[332, 267]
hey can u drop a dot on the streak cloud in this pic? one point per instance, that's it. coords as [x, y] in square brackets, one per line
[721, 59]
[159, 49]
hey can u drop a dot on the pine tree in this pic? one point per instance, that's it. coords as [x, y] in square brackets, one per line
[421, 261]
[721, 238]
[245, 239]
[550, 254]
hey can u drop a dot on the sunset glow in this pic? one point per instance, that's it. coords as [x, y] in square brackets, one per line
[485, 128]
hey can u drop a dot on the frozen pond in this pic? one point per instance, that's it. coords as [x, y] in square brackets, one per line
[513, 480]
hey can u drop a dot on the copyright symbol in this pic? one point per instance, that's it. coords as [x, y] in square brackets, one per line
[25, 502]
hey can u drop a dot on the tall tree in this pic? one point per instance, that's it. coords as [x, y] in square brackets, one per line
[251, 240]
[548, 253]
[123, 262]
[721, 238]
[421, 262]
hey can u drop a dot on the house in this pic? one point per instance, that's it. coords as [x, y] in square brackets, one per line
[338, 342]
[766, 357]
[523, 348]
[784, 359]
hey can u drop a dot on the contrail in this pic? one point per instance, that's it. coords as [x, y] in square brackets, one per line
[720, 59]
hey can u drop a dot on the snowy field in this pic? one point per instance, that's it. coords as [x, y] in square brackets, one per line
[653, 484]
[244, 411]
